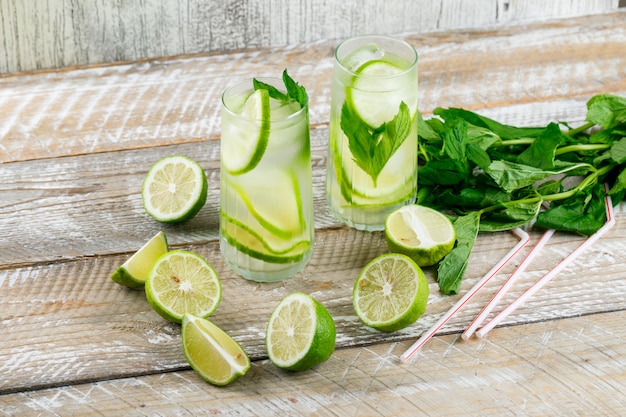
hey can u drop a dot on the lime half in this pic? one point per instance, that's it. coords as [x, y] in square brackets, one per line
[174, 190]
[422, 233]
[135, 271]
[247, 141]
[211, 352]
[300, 333]
[391, 292]
[182, 283]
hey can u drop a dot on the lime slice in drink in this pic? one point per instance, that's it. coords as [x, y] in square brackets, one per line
[211, 352]
[248, 140]
[300, 333]
[174, 190]
[395, 183]
[182, 283]
[135, 271]
[391, 292]
[375, 95]
[423, 234]
[270, 199]
[263, 245]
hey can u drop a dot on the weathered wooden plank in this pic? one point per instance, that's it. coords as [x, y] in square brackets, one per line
[66, 322]
[576, 368]
[59, 33]
[169, 102]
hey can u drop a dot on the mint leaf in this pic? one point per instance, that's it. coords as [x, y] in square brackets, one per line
[273, 91]
[453, 265]
[295, 90]
[372, 149]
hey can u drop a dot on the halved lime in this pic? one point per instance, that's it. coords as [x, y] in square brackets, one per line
[300, 333]
[174, 190]
[244, 145]
[423, 234]
[391, 292]
[375, 95]
[183, 282]
[135, 271]
[211, 352]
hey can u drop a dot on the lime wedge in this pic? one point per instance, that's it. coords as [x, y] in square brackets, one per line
[300, 333]
[248, 140]
[375, 95]
[135, 271]
[391, 292]
[174, 190]
[211, 352]
[423, 234]
[182, 283]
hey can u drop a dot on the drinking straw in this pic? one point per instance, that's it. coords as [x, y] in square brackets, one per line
[610, 221]
[524, 239]
[506, 285]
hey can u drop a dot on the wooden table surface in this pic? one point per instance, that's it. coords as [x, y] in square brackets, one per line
[76, 144]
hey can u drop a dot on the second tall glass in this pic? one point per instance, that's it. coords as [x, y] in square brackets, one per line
[372, 156]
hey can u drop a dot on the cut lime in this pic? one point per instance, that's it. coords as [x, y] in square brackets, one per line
[376, 93]
[174, 190]
[247, 140]
[182, 283]
[391, 292]
[423, 234]
[300, 333]
[212, 353]
[135, 271]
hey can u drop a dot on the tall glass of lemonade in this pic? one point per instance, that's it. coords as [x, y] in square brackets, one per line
[372, 154]
[266, 216]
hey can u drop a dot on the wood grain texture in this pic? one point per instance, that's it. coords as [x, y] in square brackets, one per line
[59, 33]
[570, 367]
[76, 144]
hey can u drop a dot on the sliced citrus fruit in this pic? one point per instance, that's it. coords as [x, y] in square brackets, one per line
[300, 333]
[247, 140]
[183, 282]
[135, 271]
[174, 190]
[376, 92]
[422, 233]
[391, 292]
[211, 352]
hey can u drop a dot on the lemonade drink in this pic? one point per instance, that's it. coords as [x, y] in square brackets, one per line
[266, 216]
[372, 159]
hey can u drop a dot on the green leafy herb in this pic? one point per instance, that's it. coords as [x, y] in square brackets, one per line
[494, 177]
[294, 90]
[373, 148]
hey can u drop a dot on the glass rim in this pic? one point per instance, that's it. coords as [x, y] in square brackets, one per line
[273, 81]
[401, 42]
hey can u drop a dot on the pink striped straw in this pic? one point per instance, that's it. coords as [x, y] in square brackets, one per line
[524, 239]
[506, 285]
[557, 269]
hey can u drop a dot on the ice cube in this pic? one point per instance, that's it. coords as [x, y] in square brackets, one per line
[360, 56]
